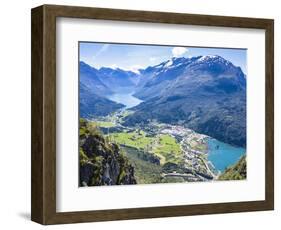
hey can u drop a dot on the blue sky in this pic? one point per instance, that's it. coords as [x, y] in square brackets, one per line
[133, 57]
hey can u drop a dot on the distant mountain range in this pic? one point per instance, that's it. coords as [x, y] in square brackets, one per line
[96, 85]
[92, 104]
[105, 81]
[204, 93]
[90, 77]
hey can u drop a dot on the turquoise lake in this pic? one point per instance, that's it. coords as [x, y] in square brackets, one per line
[223, 155]
[125, 98]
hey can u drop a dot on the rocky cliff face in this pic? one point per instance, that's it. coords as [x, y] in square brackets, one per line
[101, 162]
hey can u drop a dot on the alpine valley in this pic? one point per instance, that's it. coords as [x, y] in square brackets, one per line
[181, 120]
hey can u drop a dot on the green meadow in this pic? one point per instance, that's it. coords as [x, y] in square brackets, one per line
[164, 146]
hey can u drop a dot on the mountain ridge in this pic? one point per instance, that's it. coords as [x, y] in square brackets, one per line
[204, 93]
[207, 94]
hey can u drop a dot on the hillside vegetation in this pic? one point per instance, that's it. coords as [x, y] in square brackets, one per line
[101, 162]
[235, 172]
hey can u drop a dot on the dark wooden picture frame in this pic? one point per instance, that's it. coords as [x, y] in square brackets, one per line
[43, 207]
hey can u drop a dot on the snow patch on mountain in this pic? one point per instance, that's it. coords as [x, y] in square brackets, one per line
[168, 63]
[207, 57]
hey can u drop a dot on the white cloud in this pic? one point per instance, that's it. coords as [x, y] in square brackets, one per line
[179, 51]
[152, 59]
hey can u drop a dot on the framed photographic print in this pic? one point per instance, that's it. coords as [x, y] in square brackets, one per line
[141, 114]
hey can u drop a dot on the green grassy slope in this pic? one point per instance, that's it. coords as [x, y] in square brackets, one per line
[236, 172]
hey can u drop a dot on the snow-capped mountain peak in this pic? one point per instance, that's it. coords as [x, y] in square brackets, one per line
[213, 58]
[168, 63]
[207, 57]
